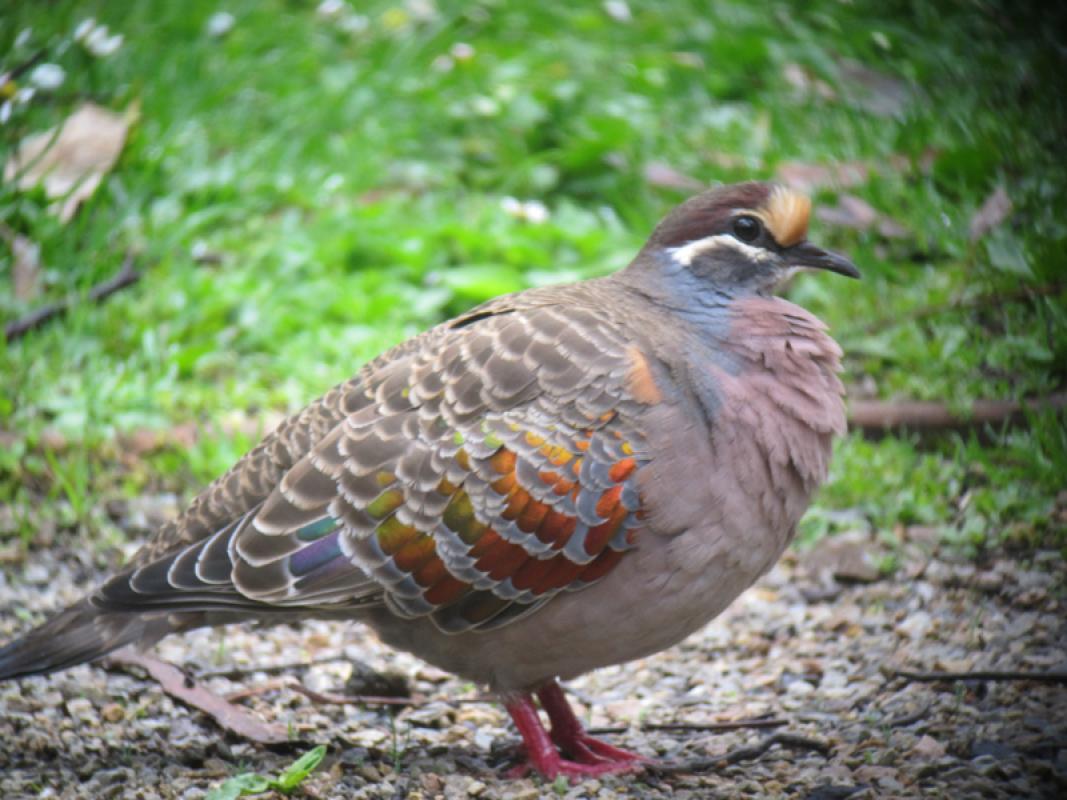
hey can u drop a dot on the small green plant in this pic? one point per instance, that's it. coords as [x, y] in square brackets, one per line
[249, 783]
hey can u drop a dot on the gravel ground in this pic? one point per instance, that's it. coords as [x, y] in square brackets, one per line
[800, 646]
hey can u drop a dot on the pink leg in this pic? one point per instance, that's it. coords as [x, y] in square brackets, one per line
[570, 736]
[542, 754]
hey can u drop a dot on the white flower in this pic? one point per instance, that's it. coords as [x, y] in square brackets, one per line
[442, 63]
[5, 112]
[23, 38]
[330, 8]
[353, 23]
[219, 24]
[618, 10]
[422, 10]
[461, 51]
[536, 211]
[100, 42]
[485, 106]
[532, 211]
[47, 76]
[24, 95]
[85, 27]
[511, 206]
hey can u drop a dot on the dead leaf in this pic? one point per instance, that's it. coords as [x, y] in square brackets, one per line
[856, 213]
[875, 92]
[71, 163]
[26, 264]
[809, 177]
[850, 212]
[994, 211]
[805, 83]
[665, 176]
[849, 557]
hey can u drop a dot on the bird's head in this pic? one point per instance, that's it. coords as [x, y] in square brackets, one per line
[740, 238]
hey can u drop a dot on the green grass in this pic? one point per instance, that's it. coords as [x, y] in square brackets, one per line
[350, 184]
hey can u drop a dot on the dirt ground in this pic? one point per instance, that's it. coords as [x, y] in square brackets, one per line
[816, 657]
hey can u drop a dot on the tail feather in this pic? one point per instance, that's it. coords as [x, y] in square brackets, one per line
[79, 634]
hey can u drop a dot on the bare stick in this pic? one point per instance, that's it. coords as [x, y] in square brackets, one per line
[908, 719]
[878, 417]
[746, 753]
[711, 727]
[982, 675]
[735, 725]
[35, 319]
[181, 687]
[323, 697]
[270, 669]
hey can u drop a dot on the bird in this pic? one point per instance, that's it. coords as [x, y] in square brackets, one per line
[561, 479]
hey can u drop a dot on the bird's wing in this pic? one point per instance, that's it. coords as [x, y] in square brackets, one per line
[479, 475]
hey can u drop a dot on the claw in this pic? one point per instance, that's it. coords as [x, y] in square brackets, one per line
[586, 756]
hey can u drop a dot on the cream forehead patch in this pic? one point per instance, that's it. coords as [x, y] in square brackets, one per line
[786, 215]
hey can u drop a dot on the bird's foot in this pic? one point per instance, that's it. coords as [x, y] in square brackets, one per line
[568, 750]
[586, 749]
[586, 763]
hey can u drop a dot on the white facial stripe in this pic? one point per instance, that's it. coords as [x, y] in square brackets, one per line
[686, 253]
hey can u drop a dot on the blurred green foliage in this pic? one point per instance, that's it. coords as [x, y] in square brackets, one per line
[306, 188]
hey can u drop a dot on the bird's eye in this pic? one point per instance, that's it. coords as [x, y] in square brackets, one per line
[747, 228]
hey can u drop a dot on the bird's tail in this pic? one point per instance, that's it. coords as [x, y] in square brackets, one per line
[79, 634]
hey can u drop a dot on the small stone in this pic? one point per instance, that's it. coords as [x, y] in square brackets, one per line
[800, 688]
[81, 709]
[431, 784]
[916, 625]
[113, 712]
[928, 748]
[523, 791]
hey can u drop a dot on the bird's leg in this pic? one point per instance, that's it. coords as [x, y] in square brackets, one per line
[541, 752]
[571, 738]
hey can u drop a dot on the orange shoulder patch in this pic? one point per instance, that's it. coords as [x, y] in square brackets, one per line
[639, 379]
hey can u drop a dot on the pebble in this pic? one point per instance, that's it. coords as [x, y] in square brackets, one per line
[770, 653]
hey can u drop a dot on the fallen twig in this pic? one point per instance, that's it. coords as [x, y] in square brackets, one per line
[270, 669]
[735, 725]
[880, 417]
[323, 697]
[21, 69]
[183, 688]
[982, 675]
[908, 719]
[35, 319]
[746, 753]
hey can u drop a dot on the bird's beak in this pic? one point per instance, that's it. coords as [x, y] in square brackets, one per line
[808, 255]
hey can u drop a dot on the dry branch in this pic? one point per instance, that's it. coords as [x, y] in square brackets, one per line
[35, 319]
[270, 669]
[182, 688]
[330, 698]
[982, 675]
[881, 417]
[710, 727]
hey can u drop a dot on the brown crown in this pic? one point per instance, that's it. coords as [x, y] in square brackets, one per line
[783, 211]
